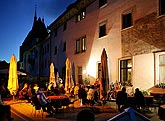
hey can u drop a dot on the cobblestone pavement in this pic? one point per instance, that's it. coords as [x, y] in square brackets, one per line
[102, 113]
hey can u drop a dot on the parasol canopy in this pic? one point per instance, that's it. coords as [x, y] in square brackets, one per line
[104, 86]
[13, 77]
[52, 75]
[68, 80]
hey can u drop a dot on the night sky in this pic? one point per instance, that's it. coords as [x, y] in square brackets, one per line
[16, 20]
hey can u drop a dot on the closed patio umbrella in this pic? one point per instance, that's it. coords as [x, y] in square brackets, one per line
[13, 77]
[52, 75]
[104, 86]
[68, 80]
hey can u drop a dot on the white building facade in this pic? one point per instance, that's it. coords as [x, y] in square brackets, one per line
[131, 31]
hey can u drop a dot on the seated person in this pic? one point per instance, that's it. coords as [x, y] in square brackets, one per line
[62, 90]
[5, 113]
[50, 86]
[139, 99]
[121, 99]
[44, 102]
[23, 94]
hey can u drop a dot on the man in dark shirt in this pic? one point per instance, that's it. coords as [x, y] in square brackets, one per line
[121, 99]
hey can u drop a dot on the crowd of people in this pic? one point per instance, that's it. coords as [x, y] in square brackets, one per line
[87, 95]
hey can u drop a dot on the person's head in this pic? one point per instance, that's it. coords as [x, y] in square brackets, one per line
[124, 89]
[137, 90]
[25, 85]
[85, 115]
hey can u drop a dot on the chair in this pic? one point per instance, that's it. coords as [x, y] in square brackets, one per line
[69, 104]
[155, 104]
[36, 107]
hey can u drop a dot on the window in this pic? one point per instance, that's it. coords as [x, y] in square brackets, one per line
[102, 2]
[102, 30]
[126, 20]
[55, 32]
[125, 70]
[99, 70]
[65, 26]
[161, 7]
[43, 50]
[162, 67]
[45, 63]
[80, 75]
[78, 46]
[81, 16]
[81, 45]
[55, 50]
[64, 47]
[47, 48]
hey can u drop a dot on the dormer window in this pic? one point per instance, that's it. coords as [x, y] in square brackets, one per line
[81, 15]
[102, 3]
[161, 7]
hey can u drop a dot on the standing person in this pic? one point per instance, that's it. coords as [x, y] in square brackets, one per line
[76, 88]
[121, 99]
[96, 96]
[90, 95]
[82, 94]
[139, 99]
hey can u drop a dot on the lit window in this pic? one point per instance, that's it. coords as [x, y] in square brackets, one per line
[80, 75]
[81, 16]
[102, 2]
[99, 70]
[81, 45]
[126, 20]
[161, 7]
[102, 30]
[125, 70]
[162, 67]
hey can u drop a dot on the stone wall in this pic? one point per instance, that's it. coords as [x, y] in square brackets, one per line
[145, 36]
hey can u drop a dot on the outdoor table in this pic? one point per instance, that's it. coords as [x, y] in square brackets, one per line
[159, 96]
[148, 99]
[59, 101]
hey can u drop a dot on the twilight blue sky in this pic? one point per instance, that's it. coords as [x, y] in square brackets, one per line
[16, 20]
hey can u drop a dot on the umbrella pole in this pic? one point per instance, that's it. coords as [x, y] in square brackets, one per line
[13, 97]
[13, 93]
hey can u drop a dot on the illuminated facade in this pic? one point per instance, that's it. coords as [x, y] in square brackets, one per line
[131, 31]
